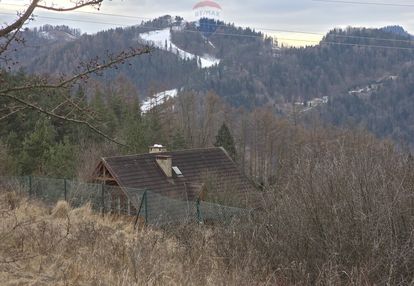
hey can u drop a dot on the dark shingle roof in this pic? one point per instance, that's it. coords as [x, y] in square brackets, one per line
[142, 172]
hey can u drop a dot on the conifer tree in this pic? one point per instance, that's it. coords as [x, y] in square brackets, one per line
[178, 141]
[36, 148]
[225, 139]
[61, 161]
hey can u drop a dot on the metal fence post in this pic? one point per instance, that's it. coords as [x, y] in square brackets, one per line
[143, 202]
[103, 198]
[146, 207]
[65, 189]
[199, 217]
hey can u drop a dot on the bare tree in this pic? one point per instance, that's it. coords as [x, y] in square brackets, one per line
[20, 97]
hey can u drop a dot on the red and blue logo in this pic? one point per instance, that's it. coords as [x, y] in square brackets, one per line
[208, 14]
[207, 4]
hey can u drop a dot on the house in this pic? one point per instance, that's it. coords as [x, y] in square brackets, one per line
[187, 175]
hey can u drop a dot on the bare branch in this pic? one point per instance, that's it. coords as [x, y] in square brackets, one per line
[13, 112]
[59, 105]
[9, 40]
[78, 108]
[78, 5]
[10, 32]
[20, 21]
[64, 83]
[52, 114]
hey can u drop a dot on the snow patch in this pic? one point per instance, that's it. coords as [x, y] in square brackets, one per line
[368, 90]
[162, 40]
[47, 36]
[57, 35]
[158, 99]
[211, 44]
[312, 103]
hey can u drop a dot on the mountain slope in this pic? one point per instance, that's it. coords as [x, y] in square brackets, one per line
[383, 107]
[156, 72]
[244, 66]
[162, 40]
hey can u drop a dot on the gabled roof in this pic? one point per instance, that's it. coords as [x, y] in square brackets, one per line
[142, 172]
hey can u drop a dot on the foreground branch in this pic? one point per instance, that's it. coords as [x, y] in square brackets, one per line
[122, 57]
[53, 114]
[20, 21]
[95, 66]
[78, 5]
[13, 112]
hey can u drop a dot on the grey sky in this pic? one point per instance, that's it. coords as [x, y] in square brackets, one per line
[298, 15]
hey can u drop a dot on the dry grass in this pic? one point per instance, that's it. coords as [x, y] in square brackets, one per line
[340, 213]
[64, 246]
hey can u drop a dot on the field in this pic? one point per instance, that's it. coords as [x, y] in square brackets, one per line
[64, 246]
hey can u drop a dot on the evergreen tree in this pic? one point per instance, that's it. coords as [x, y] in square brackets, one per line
[108, 120]
[61, 160]
[135, 137]
[153, 127]
[36, 148]
[7, 162]
[178, 141]
[225, 139]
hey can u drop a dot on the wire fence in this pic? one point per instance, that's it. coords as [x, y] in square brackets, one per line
[146, 206]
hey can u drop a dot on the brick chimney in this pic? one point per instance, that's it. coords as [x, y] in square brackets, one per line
[157, 148]
[165, 163]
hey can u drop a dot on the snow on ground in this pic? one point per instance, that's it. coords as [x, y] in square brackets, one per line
[162, 39]
[211, 44]
[312, 103]
[57, 35]
[47, 35]
[208, 61]
[158, 99]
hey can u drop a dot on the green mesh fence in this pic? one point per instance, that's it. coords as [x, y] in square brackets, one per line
[17, 184]
[147, 205]
[79, 193]
[215, 212]
[162, 210]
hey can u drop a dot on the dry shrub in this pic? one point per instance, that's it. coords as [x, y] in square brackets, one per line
[83, 212]
[7, 165]
[61, 210]
[88, 156]
[79, 247]
[12, 199]
[342, 214]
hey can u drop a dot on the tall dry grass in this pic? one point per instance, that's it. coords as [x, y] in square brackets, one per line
[65, 246]
[341, 213]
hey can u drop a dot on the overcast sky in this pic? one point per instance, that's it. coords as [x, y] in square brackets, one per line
[291, 15]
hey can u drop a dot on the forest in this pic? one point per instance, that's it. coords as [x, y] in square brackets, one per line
[256, 72]
[338, 208]
[337, 197]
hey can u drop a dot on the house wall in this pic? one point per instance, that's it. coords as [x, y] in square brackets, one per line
[117, 200]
